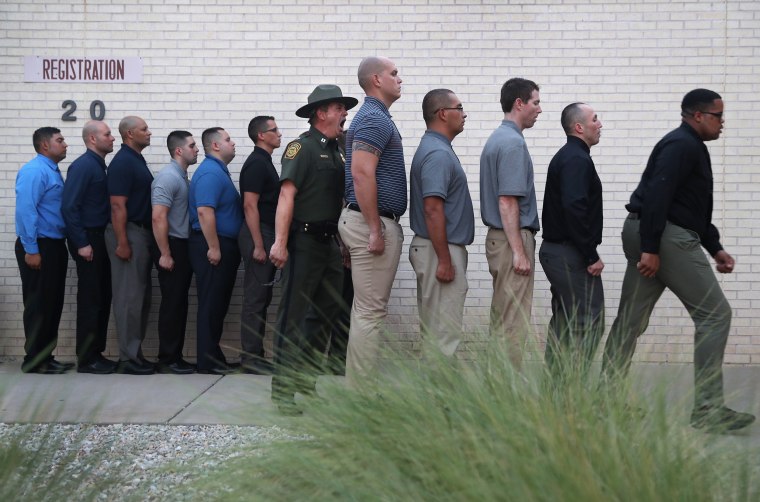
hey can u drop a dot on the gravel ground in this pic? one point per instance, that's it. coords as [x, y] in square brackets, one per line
[117, 462]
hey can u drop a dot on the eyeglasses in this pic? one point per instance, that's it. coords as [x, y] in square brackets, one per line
[458, 108]
[718, 115]
[274, 129]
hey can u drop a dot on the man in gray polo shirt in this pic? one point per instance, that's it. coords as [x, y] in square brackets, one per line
[508, 207]
[171, 227]
[443, 222]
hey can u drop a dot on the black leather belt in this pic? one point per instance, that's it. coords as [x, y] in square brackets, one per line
[380, 212]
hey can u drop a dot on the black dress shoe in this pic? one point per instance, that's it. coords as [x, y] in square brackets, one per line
[219, 370]
[100, 366]
[720, 419]
[49, 367]
[180, 367]
[133, 368]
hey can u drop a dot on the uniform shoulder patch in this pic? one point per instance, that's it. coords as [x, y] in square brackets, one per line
[292, 150]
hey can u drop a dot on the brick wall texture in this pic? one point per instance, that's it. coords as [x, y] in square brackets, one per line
[221, 62]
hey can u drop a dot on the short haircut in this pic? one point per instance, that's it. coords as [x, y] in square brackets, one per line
[571, 115]
[697, 99]
[515, 88]
[434, 101]
[370, 66]
[128, 123]
[91, 127]
[324, 108]
[43, 134]
[209, 135]
[176, 139]
[258, 125]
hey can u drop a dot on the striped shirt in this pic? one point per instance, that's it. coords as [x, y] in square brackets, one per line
[373, 125]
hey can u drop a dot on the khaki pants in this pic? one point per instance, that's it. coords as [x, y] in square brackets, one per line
[440, 305]
[373, 277]
[512, 293]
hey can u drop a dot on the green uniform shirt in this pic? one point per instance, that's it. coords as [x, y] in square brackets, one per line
[316, 167]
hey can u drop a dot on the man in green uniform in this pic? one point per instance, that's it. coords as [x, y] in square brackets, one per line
[310, 202]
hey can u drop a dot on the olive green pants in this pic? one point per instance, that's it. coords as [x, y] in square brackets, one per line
[685, 270]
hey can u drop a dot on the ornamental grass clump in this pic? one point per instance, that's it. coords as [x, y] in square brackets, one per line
[447, 430]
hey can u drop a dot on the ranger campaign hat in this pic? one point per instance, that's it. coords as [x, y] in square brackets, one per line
[323, 94]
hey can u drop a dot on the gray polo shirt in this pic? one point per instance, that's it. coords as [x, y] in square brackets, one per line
[507, 169]
[170, 189]
[437, 172]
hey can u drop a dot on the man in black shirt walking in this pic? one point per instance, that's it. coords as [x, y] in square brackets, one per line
[670, 217]
[572, 223]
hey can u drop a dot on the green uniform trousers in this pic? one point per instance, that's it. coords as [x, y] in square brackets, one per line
[685, 270]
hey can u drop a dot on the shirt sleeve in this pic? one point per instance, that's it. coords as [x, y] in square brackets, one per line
[513, 168]
[74, 190]
[119, 178]
[671, 165]
[374, 130]
[435, 174]
[577, 176]
[162, 192]
[295, 163]
[29, 191]
[207, 191]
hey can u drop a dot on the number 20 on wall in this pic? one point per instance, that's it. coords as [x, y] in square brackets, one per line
[97, 110]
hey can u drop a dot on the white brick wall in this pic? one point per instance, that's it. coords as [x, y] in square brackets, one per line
[222, 62]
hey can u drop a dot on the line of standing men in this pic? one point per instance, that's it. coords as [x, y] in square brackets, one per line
[670, 212]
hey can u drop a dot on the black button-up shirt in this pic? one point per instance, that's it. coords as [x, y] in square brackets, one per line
[677, 186]
[573, 200]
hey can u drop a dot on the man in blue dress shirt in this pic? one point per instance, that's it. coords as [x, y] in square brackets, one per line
[216, 215]
[41, 250]
[86, 210]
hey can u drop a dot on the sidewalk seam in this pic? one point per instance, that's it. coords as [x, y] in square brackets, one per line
[169, 421]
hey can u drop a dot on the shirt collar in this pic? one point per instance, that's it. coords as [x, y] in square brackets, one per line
[323, 140]
[511, 125]
[263, 152]
[686, 127]
[132, 151]
[438, 135]
[179, 169]
[101, 161]
[52, 165]
[378, 104]
[218, 162]
[580, 142]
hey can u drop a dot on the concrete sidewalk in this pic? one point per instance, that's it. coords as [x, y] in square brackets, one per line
[245, 399]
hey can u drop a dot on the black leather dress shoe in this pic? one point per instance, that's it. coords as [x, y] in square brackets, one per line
[133, 368]
[219, 370]
[180, 367]
[50, 367]
[100, 366]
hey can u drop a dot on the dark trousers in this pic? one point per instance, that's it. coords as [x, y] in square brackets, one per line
[93, 298]
[214, 285]
[685, 271]
[312, 280]
[172, 314]
[256, 295]
[577, 322]
[42, 291]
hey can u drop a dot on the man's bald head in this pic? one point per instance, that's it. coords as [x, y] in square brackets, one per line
[128, 123]
[370, 66]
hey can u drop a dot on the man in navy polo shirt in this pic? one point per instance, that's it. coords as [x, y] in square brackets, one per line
[129, 238]
[41, 250]
[376, 198]
[215, 217]
[86, 210]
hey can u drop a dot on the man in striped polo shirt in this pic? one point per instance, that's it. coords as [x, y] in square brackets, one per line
[376, 198]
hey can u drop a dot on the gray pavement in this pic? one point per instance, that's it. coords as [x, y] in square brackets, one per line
[244, 399]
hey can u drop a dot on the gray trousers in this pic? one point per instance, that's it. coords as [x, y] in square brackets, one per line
[685, 270]
[577, 322]
[130, 282]
[256, 296]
